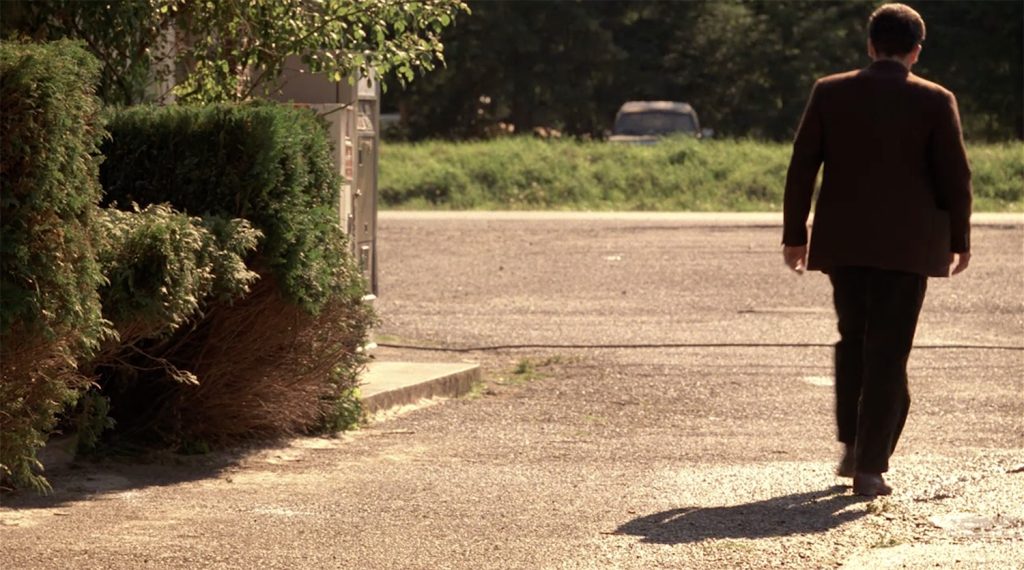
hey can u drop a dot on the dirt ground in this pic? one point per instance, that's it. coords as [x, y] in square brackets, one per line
[672, 410]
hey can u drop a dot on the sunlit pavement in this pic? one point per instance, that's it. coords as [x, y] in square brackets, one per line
[662, 400]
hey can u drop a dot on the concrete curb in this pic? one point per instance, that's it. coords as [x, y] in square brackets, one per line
[385, 385]
[390, 384]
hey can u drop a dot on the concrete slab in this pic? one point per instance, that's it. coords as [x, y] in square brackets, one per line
[389, 384]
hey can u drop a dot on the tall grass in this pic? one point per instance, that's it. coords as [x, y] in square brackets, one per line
[685, 174]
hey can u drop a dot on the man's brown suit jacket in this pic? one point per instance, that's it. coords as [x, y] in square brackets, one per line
[896, 189]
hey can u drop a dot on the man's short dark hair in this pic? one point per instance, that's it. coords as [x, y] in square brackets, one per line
[895, 29]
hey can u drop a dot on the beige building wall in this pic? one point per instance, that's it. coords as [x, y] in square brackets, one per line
[300, 86]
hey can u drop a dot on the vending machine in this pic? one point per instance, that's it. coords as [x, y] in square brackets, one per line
[364, 194]
[351, 110]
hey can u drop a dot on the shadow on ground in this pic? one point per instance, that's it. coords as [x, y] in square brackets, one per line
[800, 513]
[83, 480]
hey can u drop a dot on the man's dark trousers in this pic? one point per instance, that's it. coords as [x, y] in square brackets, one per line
[877, 312]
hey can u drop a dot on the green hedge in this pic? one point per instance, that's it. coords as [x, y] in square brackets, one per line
[675, 174]
[225, 306]
[266, 163]
[285, 356]
[50, 315]
[163, 267]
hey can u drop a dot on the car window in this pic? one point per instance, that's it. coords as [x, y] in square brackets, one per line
[653, 123]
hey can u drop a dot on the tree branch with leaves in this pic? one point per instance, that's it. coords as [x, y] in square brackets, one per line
[232, 50]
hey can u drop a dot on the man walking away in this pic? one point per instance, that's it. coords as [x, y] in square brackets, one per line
[894, 209]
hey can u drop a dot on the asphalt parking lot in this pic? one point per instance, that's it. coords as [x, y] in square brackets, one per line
[657, 395]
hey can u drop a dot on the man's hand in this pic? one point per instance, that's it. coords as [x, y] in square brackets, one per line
[796, 257]
[959, 261]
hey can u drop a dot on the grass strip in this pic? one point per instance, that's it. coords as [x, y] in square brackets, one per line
[676, 174]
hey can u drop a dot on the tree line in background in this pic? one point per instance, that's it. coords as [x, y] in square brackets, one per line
[746, 66]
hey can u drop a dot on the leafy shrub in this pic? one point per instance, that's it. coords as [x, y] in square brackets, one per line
[675, 174]
[266, 163]
[265, 367]
[50, 316]
[260, 366]
[250, 363]
[998, 174]
[282, 358]
[163, 266]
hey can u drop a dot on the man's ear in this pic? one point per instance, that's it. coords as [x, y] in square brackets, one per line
[871, 50]
[915, 54]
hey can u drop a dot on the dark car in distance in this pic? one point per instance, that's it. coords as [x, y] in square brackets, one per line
[644, 122]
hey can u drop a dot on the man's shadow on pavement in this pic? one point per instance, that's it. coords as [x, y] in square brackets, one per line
[800, 513]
